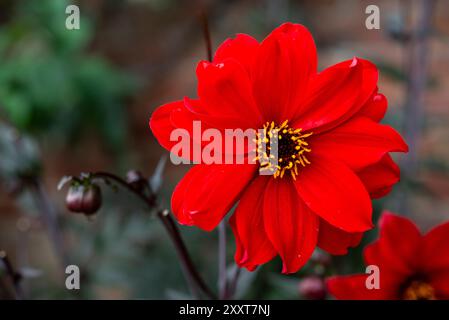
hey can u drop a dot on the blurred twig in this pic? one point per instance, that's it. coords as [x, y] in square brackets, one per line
[206, 33]
[30, 180]
[233, 283]
[14, 276]
[191, 273]
[223, 287]
[418, 51]
[49, 215]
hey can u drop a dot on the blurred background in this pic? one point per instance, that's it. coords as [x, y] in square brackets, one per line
[76, 101]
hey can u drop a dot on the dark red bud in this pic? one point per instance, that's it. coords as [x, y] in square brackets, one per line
[312, 288]
[85, 199]
[321, 258]
[74, 198]
[136, 180]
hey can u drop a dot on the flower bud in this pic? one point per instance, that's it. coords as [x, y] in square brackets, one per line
[321, 258]
[312, 288]
[136, 180]
[84, 198]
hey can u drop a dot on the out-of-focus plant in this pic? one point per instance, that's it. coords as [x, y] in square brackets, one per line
[50, 84]
[20, 170]
[20, 156]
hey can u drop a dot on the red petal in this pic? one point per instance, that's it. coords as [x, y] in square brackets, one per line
[243, 48]
[369, 84]
[253, 246]
[286, 60]
[379, 178]
[180, 194]
[175, 115]
[336, 194]
[353, 287]
[336, 241]
[375, 108]
[397, 248]
[336, 94]
[207, 192]
[161, 125]
[435, 252]
[290, 225]
[181, 115]
[225, 90]
[359, 142]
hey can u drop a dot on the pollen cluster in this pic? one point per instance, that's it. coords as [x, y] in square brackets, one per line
[418, 290]
[281, 149]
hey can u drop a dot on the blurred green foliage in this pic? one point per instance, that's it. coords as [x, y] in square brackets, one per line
[51, 84]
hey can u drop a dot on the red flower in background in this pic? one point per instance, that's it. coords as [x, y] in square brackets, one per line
[412, 266]
[333, 155]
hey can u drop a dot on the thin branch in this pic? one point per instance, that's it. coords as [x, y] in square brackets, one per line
[40, 197]
[206, 33]
[183, 253]
[150, 200]
[222, 272]
[15, 277]
[50, 218]
[418, 52]
[233, 284]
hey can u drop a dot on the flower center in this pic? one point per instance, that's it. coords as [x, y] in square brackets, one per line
[418, 290]
[290, 145]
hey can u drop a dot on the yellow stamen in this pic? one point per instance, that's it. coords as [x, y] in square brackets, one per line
[418, 290]
[291, 146]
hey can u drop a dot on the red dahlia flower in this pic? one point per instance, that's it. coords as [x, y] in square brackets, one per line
[411, 266]
[332, 159]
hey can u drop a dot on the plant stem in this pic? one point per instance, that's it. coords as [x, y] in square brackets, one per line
[15, 276]
[194, 280]
[50, 218]
[207, 37]
[222, 271]
[233, 284]
[181, 251]
[418, 62]
[418, 52]
[171, 227]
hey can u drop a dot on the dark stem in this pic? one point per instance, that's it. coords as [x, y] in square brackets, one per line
[149, 200]
[15, 276]
[181, 251]
[418, 52]
[222, 272]
[233, 284]
[50, 218]
[194, 280]
[207, 38]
